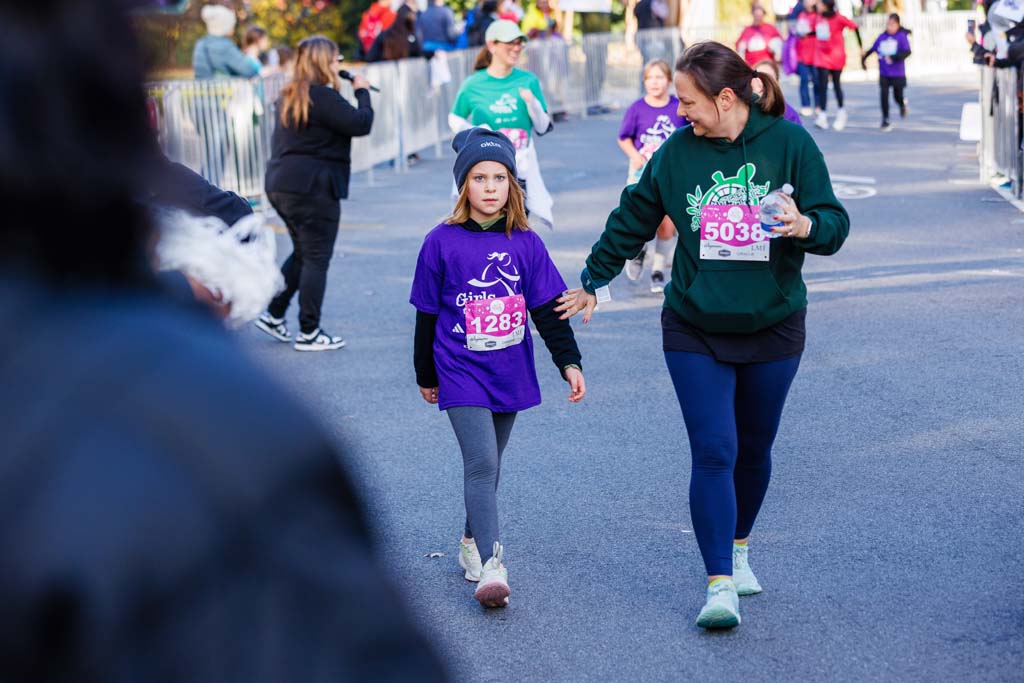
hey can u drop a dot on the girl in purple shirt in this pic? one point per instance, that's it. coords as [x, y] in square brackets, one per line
[478, 274]
[893, 48]
[647, 124]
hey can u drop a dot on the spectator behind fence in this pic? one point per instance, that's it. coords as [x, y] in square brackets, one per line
[1002, 37]
[511, 10]
[378, 17]
[307, 177]
[149, 532]
[256, 45]
[436, 27]
[485, 13]
[650, 14]
[398, 41]
[216, 55]
[539, 21]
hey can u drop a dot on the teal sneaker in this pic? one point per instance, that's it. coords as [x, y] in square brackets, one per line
[746, 582]
[722, 610]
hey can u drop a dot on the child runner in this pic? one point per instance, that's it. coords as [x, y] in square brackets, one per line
[806, 22]
[649, 122]
[893, 48]
[478, 274]
[830, 58]
[771, 68]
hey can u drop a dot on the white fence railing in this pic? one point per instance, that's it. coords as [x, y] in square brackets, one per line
[222, 128]
[1000, 147]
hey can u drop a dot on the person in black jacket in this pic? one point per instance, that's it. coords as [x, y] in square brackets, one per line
[148, 531]
[307, 176]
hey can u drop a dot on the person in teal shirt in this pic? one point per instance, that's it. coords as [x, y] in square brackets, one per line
[502, 97]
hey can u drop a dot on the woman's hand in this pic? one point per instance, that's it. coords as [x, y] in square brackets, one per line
[794, 223]
[360, 83]
[574, 301]
[527, 95]
[577, 387]
[429, 394]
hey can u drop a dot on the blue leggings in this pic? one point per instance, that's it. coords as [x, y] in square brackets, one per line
[732, 414]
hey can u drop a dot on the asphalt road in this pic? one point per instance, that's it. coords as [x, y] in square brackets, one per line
[889, 544]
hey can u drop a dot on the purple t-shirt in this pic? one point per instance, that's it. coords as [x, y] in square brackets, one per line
[649, 126]
[888, 45]
[457, 267]
[792, 115]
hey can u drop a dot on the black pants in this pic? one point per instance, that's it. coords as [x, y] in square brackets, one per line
[898, 84]
[312, 221]
[821, 86]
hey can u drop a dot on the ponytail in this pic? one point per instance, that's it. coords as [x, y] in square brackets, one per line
[714, 67]
[483, 59]
[771, 100]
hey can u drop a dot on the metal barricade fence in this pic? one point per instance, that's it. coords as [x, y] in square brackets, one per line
[1000, 147]
[223, 128]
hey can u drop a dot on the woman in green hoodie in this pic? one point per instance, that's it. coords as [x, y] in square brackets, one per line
[733, 321]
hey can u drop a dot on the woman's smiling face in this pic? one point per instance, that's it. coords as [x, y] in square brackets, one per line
[698, 108]
[506, 53]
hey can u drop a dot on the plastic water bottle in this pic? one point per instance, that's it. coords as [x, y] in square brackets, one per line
[770, 206]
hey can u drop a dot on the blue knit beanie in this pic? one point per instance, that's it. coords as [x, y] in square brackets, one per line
[479, 144]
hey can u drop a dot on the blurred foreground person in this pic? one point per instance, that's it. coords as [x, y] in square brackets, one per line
[148, 531]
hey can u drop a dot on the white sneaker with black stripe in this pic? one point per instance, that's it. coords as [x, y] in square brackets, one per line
[275, 327]
[318, 340]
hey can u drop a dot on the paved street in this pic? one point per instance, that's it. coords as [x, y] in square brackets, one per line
[889, 544]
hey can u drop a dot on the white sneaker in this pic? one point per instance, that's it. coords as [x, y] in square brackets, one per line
[742, 576]
[806, 111]
[469, 559]
[318, 340]
[493, 590]
[840, 120]
[634, 267]
[821, 120]
[722, 609]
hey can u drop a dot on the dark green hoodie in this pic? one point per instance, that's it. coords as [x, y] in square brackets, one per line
[689, 171]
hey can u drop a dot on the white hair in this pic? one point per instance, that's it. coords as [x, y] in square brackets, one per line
[219, 20]
[238, 264]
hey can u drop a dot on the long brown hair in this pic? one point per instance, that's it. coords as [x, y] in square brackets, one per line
[315, 64]
[714, 67]
[515, 208]
[395, 42]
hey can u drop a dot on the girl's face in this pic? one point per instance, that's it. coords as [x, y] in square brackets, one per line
[892, 26]
[810, 5]
[656, 83]
[506, 53]
[698, 108]
[488, 190]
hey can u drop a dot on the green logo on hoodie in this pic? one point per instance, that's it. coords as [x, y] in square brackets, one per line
[735, 190]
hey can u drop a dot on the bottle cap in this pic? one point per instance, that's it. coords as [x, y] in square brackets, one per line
[787, 188]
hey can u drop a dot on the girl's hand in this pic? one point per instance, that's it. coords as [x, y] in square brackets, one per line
[574, 301]
[429, 394]
[527, 95]
[636, 162]
[577, 387]
[794, 223]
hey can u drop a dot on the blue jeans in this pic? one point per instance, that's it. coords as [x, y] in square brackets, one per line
[732, 414]
[807, 76]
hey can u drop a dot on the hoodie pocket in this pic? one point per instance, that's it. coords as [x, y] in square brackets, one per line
[733, 298]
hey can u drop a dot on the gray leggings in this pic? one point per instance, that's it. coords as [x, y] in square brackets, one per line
[482, 437]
